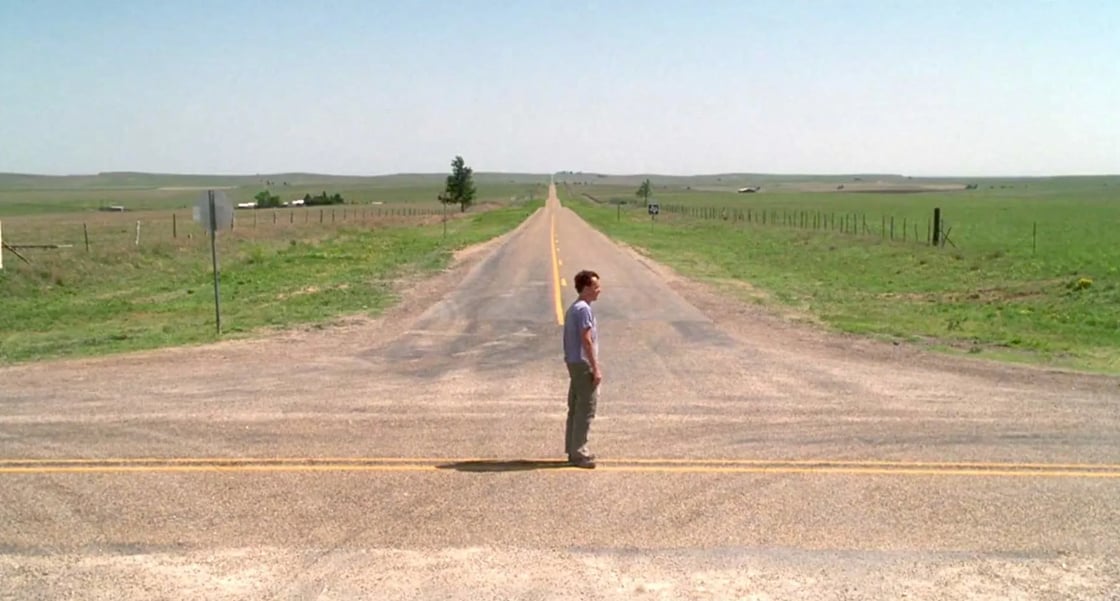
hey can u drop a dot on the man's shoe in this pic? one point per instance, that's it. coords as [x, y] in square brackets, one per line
[583, 462]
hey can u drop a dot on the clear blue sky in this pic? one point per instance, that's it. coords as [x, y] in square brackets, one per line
[363, 87]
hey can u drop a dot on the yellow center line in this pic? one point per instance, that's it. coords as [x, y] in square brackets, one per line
[225, 460]
[555, 271]
[729, 461]
[637, 465]
[867, 471]
[108, 469]
[879, 463]
[658, 469]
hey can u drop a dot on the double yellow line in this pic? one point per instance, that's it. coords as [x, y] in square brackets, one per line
[556, 281]
[627, 465]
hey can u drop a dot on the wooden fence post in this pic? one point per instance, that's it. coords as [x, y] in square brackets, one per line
[936, 241]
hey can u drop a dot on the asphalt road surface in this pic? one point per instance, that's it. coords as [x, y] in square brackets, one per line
[419, 455]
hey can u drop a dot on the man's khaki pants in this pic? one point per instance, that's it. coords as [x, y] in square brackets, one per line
[583, 396]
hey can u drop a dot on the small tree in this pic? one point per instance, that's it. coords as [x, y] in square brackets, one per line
[644, 191]
[460, 185]
[266, 200]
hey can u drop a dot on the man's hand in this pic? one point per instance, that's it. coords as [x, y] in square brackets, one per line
[596, 376]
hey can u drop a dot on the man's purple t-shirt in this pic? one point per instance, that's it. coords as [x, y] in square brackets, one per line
[578, 318]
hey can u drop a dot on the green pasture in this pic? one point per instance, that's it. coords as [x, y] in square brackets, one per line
[142, 279]
[1030, 270]
[39, 195]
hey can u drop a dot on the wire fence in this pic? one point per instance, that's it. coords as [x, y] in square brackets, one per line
[886, 227]
[934, 229]
[114, 232]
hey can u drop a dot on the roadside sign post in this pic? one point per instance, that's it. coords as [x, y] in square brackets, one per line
[214, 212]
[214, 260]
[654, 210]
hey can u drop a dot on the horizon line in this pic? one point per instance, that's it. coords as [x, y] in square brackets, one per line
[561, 172]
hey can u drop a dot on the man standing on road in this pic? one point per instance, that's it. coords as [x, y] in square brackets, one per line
[581, 354]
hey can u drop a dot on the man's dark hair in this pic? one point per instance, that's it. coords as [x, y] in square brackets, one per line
[583, 279]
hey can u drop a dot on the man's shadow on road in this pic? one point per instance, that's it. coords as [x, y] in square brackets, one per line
[499, 465]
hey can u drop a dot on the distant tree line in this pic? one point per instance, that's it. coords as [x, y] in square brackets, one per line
[323, 199]
[268, 200]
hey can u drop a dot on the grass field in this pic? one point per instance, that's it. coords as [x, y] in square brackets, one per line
[1030, 272]
[279, 268]
[32, 195]
[997, 290]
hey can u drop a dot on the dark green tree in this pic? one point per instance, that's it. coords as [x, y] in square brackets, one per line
[644, 191]
[266, 200]
[460, 185]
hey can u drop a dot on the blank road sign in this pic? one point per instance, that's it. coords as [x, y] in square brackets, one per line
[223, 211]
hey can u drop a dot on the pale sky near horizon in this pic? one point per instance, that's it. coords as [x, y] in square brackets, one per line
[614, 86]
